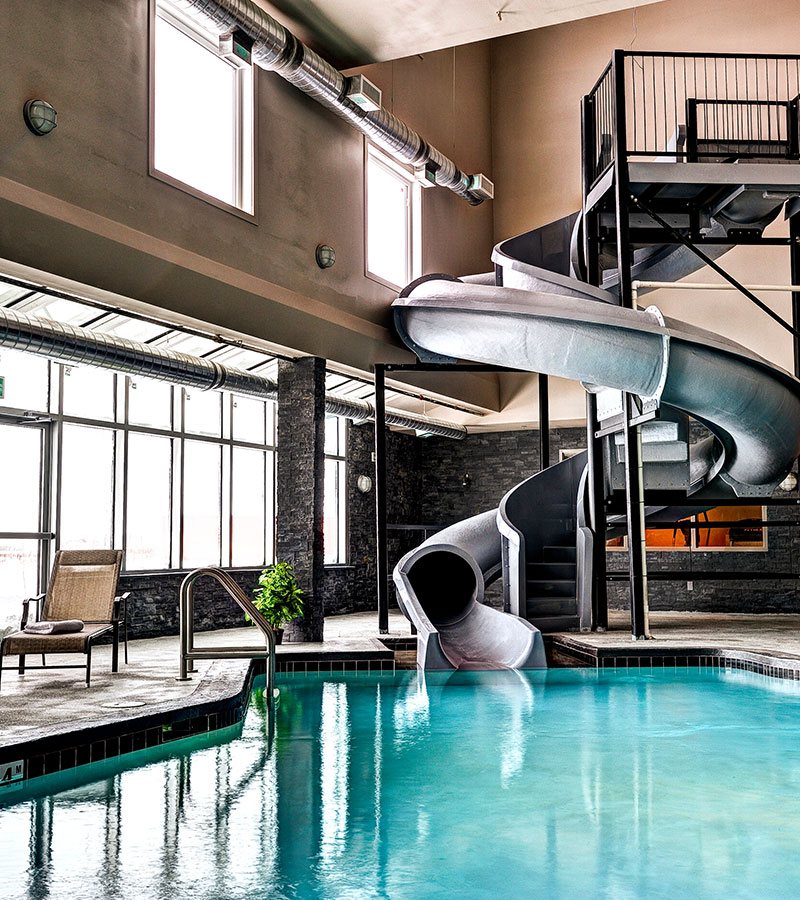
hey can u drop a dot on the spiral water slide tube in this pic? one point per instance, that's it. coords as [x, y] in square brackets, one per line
[534, 314]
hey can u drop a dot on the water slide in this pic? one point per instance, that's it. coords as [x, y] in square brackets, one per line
[534, 314]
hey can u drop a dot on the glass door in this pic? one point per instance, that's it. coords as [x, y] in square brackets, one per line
[24, 514]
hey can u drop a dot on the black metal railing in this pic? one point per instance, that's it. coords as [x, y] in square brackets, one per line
[690, 107]
[598, 146]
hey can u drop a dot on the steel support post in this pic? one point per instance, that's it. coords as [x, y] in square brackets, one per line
[634, 485]
[381, 543]
[597, 511]
[594, 444]
[544, 422]
[794, 257]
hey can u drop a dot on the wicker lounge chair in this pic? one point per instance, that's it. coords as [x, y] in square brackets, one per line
[83, 585]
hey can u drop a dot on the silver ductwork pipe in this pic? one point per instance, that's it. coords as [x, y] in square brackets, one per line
[278, 50]
[80, 346]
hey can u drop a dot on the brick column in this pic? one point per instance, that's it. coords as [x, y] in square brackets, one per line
[301, 465]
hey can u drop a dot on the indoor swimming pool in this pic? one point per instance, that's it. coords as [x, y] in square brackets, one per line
[565, 783]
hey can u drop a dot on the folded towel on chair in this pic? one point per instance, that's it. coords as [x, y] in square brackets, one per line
[66, 626]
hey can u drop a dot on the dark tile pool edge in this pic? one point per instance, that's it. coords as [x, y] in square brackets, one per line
[563, 650]
[219, 701]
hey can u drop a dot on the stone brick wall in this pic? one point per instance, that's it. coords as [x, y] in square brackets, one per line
[426, 487]
[153, 604]
[745, 596]
[352, 588]
[299, 488]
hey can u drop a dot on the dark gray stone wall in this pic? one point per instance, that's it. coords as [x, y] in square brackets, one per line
[353, 588]
[495, 462]
[299, 489]
[426, 487]
[742, 596]
[153, 602]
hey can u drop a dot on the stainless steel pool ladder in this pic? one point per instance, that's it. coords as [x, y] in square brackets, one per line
[189, 652]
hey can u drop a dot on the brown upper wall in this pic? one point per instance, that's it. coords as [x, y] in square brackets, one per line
[80, 203]
[539, 77]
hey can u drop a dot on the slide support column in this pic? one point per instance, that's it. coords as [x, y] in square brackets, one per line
[794, 257]
[544, 422]
[381, 549]
[634, 483]
[597, 510]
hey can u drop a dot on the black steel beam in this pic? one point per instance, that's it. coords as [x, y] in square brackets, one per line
[381, 539]
[676, 498]
[634, 482]
[688, 575]
[717, 268]
[544, 422]
[794, 259]
[444, 367]
[721, 523]
[596, 486]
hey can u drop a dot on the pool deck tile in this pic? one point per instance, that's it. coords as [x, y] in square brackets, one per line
[46, 706]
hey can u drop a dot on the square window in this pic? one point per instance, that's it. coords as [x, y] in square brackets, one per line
[393, 208]
[203, 112]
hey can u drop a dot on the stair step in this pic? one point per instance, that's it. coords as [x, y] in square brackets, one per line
[565, 553]
[660, 431]
[546, 571]
[539, 607]
[553, 587]
[664, 452]
[549, 624]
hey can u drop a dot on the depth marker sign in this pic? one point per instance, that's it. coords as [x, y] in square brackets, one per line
[12, 772]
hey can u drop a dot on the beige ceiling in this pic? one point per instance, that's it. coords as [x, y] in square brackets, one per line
[355, 32]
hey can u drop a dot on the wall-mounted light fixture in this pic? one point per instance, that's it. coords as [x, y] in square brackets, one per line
[40, 117]
[325, 256]
[789, 483]
[364, 484]
[466, 481]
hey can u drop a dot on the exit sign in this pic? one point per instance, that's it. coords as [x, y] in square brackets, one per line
[2, 387]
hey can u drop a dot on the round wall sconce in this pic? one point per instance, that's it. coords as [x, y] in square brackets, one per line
[40, 117]
[325, 256]
[364, 484]
[789, 483]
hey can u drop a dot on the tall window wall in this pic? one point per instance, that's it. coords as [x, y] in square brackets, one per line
[175, 477]
[335, 509]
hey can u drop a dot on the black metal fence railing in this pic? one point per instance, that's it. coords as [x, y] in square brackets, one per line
[598, 147]
[689, 107]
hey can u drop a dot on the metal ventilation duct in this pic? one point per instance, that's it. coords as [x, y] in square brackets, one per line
[80, 346]
[278, 50]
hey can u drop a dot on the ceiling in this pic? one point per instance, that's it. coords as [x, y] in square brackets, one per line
[39, 302]
[356, 32]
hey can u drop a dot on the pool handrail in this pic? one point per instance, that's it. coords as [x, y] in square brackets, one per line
[188, 651]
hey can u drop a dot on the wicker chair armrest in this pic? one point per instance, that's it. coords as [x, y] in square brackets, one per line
[26, 604]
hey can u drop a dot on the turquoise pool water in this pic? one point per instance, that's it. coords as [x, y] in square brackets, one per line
[568, 783]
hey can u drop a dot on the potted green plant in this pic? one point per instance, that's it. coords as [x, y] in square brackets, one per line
[278, 597]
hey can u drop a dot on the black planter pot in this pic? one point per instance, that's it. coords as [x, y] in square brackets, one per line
[278, 632]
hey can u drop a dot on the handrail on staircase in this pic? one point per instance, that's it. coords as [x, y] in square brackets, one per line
[188, 651]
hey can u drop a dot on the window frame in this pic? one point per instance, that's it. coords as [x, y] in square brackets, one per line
[244, 143]
[342, 489]
[414, 217]
[693, 546]
[121, 429]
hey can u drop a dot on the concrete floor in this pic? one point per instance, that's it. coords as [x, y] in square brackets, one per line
[57, 700]
[776, 634]
[42, 703]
